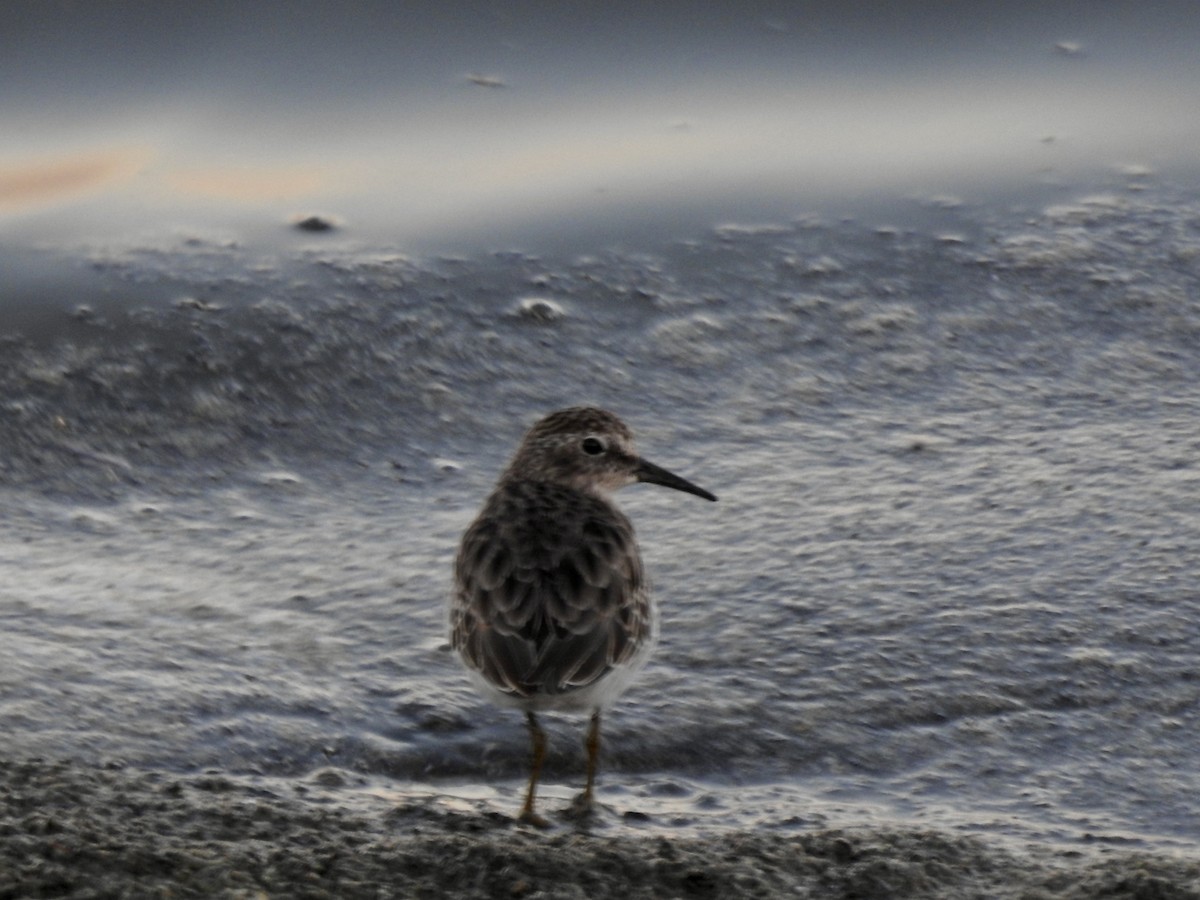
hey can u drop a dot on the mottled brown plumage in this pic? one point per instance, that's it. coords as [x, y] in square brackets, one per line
[552, 592]
[550, 607]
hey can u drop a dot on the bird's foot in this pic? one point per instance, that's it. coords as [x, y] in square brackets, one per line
[529, 817]
[583, 809]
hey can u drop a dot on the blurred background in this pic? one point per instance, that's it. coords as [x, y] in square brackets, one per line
[565, 126]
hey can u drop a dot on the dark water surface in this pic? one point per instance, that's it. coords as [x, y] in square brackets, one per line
[949, 580]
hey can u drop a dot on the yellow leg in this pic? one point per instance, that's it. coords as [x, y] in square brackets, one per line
[583, 806]
[593, 753]
[538, 737]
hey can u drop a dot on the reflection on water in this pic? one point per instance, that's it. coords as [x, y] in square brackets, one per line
[245, 184]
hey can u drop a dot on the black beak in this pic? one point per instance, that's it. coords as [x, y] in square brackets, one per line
[652, 474]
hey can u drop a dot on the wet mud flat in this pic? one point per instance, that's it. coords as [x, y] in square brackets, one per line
[72, 831]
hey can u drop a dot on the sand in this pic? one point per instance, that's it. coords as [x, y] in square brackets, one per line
[71, 831]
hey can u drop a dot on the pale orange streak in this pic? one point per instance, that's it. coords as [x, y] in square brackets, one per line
[29, 184]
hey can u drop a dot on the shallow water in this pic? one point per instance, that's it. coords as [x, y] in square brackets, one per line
[948, 582]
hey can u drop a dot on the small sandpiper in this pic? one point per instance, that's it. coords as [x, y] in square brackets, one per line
[550, 609]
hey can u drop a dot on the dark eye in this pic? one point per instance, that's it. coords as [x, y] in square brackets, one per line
[592, 446]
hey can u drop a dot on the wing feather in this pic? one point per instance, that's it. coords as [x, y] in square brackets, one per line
[549, 590]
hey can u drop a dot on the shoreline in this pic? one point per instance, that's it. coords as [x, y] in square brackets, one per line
[74, 831]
